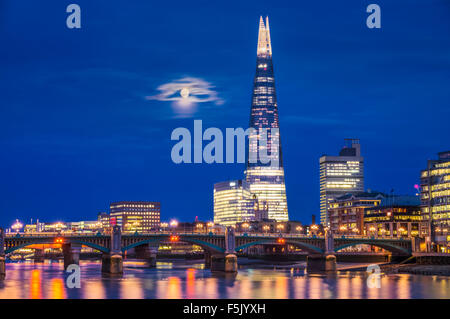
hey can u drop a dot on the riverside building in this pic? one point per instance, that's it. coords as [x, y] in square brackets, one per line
[435, 199]
[340, 175]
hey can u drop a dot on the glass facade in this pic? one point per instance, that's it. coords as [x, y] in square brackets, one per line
[233, 203]
[435, 198]
[340, 175]
[266, 180]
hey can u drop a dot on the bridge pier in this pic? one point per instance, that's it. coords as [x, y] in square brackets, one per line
[231, 264]
[2, 255]
[147, 253]
[207, 259]
[224, 263]
[112, 263]
[320, 263]
[323, 262]
[71, 253]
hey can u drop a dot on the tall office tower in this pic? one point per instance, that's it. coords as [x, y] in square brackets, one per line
[340, 175]
[266, 179]
[435, 197]
[136, 216]
[233, 203]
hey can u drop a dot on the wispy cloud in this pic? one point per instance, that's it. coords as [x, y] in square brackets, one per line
[186, 93]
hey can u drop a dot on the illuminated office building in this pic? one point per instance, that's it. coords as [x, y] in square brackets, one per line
[394, 217]
[346, 212]
[233, 203]
[266, 180]
[84, 226]
[136, 216]
[340, 175]
[435, 198]
[103, 219]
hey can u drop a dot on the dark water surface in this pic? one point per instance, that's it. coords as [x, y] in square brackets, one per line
[188, 279]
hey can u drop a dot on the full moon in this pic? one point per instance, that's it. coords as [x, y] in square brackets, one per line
[184, 93]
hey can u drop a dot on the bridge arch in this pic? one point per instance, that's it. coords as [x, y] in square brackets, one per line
[387, 246]
[204, 244]
[50, 241]
[304, 246]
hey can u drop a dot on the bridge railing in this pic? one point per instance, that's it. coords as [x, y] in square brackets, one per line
[49, 234]
[170, 232]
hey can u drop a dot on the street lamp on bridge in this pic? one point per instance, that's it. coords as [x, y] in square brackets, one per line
[314, 228]
[173, 223]
[17, 226]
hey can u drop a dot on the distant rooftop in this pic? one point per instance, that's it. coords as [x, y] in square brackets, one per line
[362, 195]
[400, 200]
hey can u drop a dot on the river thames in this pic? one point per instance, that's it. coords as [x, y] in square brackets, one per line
[179, 279]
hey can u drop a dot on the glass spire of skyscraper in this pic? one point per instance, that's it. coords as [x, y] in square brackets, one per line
[266, 180]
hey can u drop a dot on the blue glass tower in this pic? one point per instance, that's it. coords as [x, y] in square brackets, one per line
[265, 179]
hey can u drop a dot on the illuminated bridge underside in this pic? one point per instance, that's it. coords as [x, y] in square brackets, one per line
[211, 243]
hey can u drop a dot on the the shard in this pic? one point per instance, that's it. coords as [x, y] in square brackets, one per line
[266, 179]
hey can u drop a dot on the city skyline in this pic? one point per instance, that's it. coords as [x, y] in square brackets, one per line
[196, 155]
[82, 134]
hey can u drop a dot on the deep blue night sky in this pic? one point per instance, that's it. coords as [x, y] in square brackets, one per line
[77, 132]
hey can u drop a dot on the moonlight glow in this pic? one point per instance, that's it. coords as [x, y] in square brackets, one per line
[184, 93]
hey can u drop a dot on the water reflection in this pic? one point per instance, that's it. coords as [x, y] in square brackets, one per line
[36, 284]
[187, 280]
[190, 283]
[58, 291]
[93, 290]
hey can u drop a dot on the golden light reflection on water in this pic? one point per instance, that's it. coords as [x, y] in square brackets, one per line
[315, 288]
[375, 292]
[266, 288]
[170, 288]
[35, 284]
[57, 289]
[444, 288]
[357, 286]
[404, 287]
[93, 290]
[131, 289]
[190, 283]
[281, 288]
[344, 288]
[47, 281]
[300, 288]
